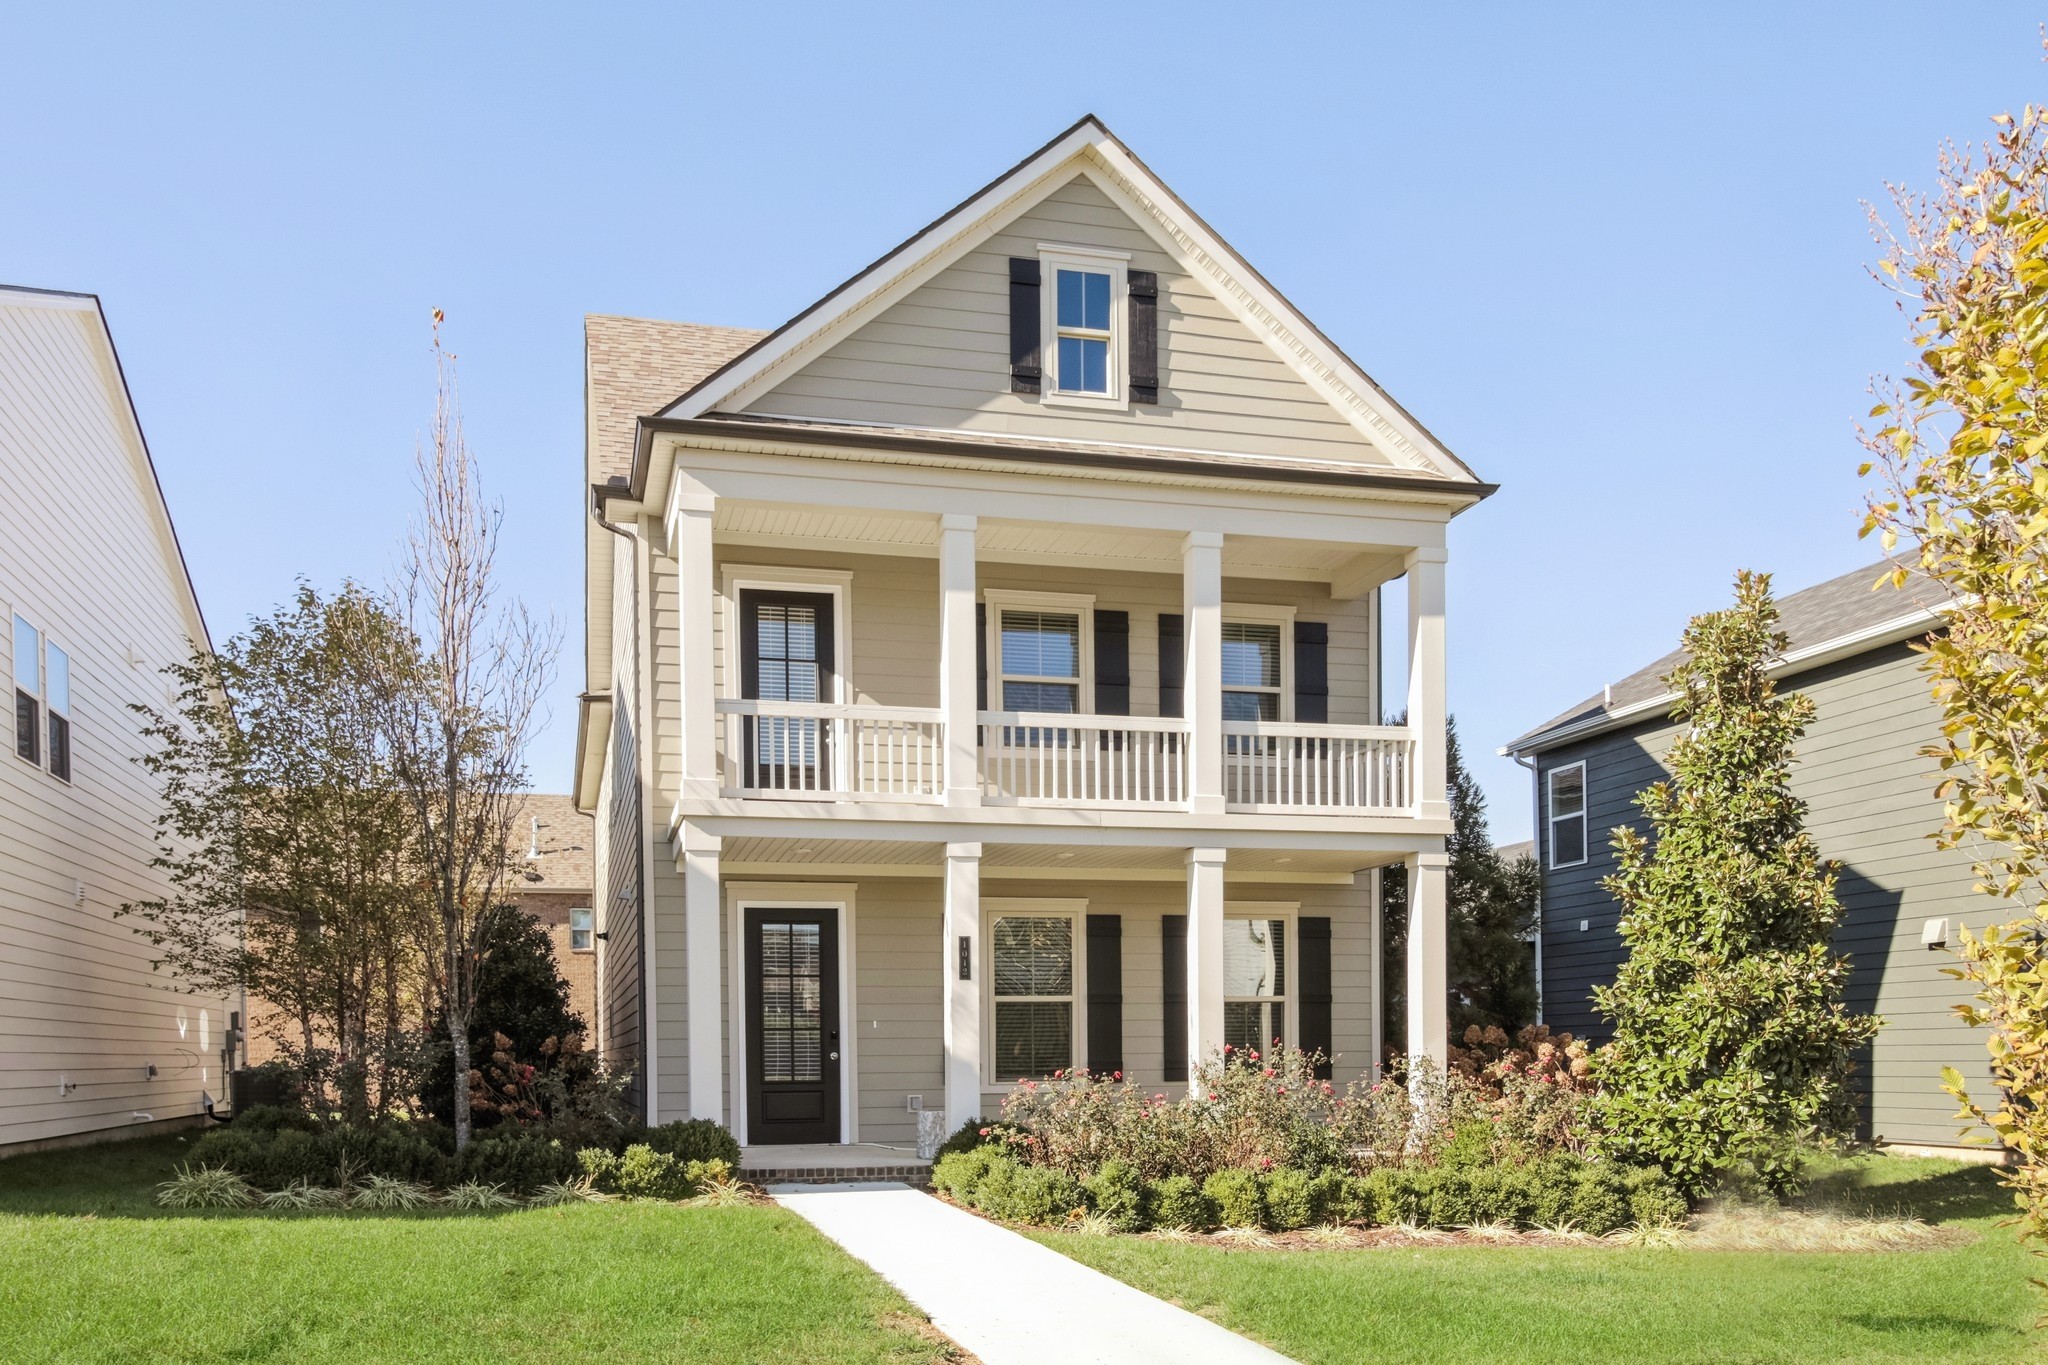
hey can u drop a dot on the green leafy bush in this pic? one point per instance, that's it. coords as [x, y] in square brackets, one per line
[519, 1160]
[1394, 1196]
[1043, 1195]
[1236, 1195]
[197, 1186]
[1447, 1200]
[695, 1140]
[1600, 1201]
[1329, 1198]
[1178, 1202]
[1504, 1194]
[1289, 1201]
[968, 1136]
[639, 1172]
[1118, 1194]
[1654, 1199]
[960, 1174]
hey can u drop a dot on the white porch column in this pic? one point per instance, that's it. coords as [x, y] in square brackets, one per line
[963, 966]
[1205, 956]
[1427, 706]
[689, 537]
[1201, 559]
[957, 663]
[1428, 976]
[703, 1007]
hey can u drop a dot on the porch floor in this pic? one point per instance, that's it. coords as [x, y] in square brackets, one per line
[824, 1162]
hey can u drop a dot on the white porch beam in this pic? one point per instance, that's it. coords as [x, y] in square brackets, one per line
[1428, 972]
[690, 515]
[1205, 956]
[703, 1007]
[1361, 573]
[957, 662]
[962, 966]
[1427, 706]
[1201, 560]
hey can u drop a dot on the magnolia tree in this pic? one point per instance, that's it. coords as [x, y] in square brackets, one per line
[458, 705]
[1961, 450]
[1730, 1039]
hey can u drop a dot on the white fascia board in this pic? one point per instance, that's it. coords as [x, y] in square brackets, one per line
[1918, 622]
[884, 282]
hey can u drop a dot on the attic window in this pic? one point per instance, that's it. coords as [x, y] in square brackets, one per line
[1084, 325]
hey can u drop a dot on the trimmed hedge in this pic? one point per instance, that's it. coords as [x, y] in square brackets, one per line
[1594, 1198]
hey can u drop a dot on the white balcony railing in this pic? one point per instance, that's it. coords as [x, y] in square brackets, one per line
[1033, 758]
[1274, 765]
[831, 752]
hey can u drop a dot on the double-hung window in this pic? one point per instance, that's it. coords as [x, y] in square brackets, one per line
[1567, 815]
[1040, 654]
[28, 691]
[579, 930]
[1033, 961]
[1251, 670]
[1084, 306]
[1255, 982]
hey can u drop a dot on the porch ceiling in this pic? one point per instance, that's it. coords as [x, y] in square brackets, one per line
[898, 858]
[1007, 541]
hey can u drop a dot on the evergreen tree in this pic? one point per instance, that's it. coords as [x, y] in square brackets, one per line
[1491, 913]
[520, 993]
[1730, 1038]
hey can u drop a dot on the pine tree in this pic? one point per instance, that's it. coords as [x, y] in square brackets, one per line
[1491, 914]
[1730, 1042]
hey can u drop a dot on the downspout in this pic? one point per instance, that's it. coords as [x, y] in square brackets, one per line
[640, 804]
[1536, 842]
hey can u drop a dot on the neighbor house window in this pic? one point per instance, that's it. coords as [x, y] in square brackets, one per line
[28, 691]
[57, 696]
[579, 930]
[1567, 815]
[1251, 670]
[1254, 983]
[1084, 305]
[1033, 994]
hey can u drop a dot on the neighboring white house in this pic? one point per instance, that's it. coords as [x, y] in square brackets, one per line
[94, 599]
[983, 672]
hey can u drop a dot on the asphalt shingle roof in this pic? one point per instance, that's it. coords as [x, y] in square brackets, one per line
[556, 855]
[635, 367]
[1812, 618]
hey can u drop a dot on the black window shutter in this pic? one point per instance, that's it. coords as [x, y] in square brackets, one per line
[1105, 994]
[1173, 963]
[1112, 663]
[1024, 363]
[1312, 972]
[1142, 290]
[1173, 664]
[981, 656]
[1312, 671]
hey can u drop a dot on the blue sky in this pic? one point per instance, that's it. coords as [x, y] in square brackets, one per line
[1613, 257]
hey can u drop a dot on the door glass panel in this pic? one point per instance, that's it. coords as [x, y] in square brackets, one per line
[792, 1003]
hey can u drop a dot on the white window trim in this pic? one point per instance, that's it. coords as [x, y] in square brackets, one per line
[1116, 264]
[739, 578]
[1290, 1003]
[992, 908]
[1256, 613]
[1552, 819]
[1081, 604]
[741, 897]
[591, 930]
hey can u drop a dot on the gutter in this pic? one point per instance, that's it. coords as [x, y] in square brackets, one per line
[1921, 621]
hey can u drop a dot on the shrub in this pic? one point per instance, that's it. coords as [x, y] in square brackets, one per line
[268, 1118]
[520, 1161]
[1118, 1194]
[690, 1140]
[968, 1136]
[522, 1003]
[959, 1174]
[1551, 1187]
[1288, 1199]
[1447, 1199]
[640, 1172]
[422, 1153]
[1329, 1198]
[1654, 1199]
[476, 1198]
[1178, 1202]
[205, 1187]
[1600, 1203]
[1393, 1194]
[994, 1192]
[382, 1192]
[1504, 1194]
[1236, 1195]
[1043, 1195]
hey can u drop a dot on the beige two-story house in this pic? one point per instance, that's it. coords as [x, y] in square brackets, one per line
[983, 673]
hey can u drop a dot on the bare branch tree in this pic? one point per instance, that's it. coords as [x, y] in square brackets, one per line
[459, 710]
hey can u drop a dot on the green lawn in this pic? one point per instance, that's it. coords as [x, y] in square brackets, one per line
[92, 1270]
[1965, 1303]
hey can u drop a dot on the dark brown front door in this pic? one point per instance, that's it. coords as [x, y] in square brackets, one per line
[793, 1042]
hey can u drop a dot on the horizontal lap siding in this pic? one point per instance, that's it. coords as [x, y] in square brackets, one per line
[940, 358]
[78, 997]
[1871, 808]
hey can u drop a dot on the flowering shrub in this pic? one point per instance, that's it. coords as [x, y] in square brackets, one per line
[1535, 1092]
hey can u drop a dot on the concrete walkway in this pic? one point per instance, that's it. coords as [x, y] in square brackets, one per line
[1004, 1297]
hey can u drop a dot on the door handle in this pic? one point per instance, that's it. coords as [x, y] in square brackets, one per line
[832, 1056]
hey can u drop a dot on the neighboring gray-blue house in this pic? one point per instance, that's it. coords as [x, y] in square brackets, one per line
[1871, 807]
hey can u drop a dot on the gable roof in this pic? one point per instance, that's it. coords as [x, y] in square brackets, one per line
[22, 295]
[633, 367]
[1090, 144]
[1836, 619]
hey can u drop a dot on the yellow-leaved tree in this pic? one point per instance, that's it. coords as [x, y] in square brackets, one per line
[1961, 450]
